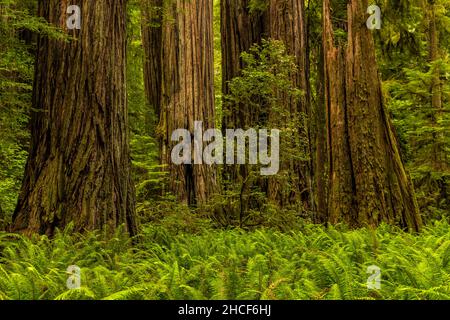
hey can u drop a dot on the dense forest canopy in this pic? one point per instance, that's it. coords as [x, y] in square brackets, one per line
[92, 95]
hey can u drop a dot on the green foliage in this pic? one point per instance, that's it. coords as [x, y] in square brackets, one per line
[423, 130]
[266, 75]
[400, 33]
[266, 89]
[312, 263]
[16, 73]
[258, 6]
[410, 76]
[339, 21]
[147, 173]
[19, 27]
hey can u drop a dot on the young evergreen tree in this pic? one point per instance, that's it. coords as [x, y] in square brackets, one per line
[245, 23]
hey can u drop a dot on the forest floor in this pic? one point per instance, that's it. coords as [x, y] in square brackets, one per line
[312, 263]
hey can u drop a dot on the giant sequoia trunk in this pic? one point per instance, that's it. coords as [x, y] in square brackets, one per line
[280, 20]
[187, 67]
[367, 180]
[78, 170]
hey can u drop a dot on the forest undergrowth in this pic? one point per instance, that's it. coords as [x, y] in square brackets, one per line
[314, 262]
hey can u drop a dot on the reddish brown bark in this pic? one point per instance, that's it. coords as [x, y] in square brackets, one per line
[187, 92]
[152, 43]
[367, 182]
[78, 170]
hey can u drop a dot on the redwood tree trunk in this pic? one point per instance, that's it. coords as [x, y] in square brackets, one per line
[320, 168]
[438, 156]
[152, 43]
[285, 21]
[367, 183]
[187, 92]
[78, 170]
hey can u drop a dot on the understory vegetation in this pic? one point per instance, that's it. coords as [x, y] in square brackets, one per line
[313, 262]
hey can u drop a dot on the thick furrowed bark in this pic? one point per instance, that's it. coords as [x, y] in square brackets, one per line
[368, 183]
[78, 168]
[188, 92]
